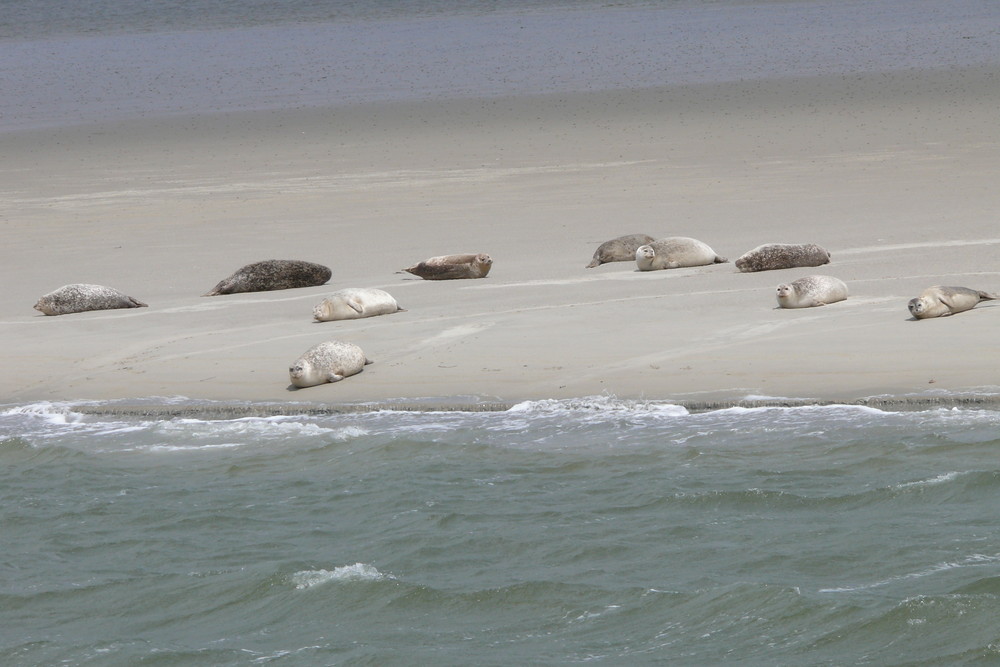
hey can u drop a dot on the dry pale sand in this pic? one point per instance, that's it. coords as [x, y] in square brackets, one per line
[895, 174]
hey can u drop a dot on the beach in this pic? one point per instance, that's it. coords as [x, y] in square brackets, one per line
[893, 173]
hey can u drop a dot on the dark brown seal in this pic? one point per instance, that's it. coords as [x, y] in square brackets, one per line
[782, 256]
[273, 274]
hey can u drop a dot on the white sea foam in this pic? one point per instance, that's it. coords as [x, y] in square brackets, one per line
[600, 405]
[975, 560]
[357, 572]
[940, 479]
[47, 411]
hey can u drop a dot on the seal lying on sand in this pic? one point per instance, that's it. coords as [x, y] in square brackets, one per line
[675, 252]
[782, 256]
[273, 274]
[453, 267]
[353, 303]
[621, 249]
[330, 361]
[940, 300]
[811, 291]
[80, 297]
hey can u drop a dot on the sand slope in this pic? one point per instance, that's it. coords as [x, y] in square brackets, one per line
[894, 174]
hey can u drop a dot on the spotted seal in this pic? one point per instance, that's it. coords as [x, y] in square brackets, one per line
[773, 256]
[621, 249]
[353, 303]
[675, 252]
[80, 297]
[273, 274]
[329, 361]
[453, 267]
[811, 291]
[941, 300]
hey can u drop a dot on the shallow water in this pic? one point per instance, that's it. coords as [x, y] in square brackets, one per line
[551, 533]
[71, 62]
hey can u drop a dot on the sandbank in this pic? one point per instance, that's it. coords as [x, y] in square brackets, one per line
[894, 173]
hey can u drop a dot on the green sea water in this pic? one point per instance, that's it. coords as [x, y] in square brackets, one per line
[552, 533]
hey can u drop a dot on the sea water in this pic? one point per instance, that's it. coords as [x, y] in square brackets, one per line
[82, 61]
[553, 532]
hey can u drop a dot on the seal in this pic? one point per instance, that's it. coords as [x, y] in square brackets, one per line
[675, 252]
[811, 291]
[941, 300]
[80, 297]
[453, 267]
[330, 361]
[773, 256]
[621, 249]
[273, 274]
[353, 303]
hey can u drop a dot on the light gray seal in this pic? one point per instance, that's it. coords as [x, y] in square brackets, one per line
[940, 300]
[811, 291]
[773, 256]
[273, 274]
[675, 252]
[353, 303]
[330, 361]
[453, 267]
[80, 297]
[621, 249]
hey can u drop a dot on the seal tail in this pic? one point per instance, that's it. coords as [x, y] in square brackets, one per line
[719, 259]
[593, 263]
[988, 296]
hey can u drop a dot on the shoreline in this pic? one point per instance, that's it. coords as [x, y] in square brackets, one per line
[222, 410]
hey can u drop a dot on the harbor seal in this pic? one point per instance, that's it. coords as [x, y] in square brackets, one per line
[80, 297]
[453, 267]
[273, 274]
[330, 361]
[675, 252]
[621, 249]
[941, 300]
[811, 291]
[782, 256]
[353, 303]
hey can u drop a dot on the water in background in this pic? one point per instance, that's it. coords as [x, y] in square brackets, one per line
[80, 61]
[556, 532]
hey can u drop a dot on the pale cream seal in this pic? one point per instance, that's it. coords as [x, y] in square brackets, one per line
[941, 300]
[811, 291]
[353, 303]
[330, 361]
[675, 252]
